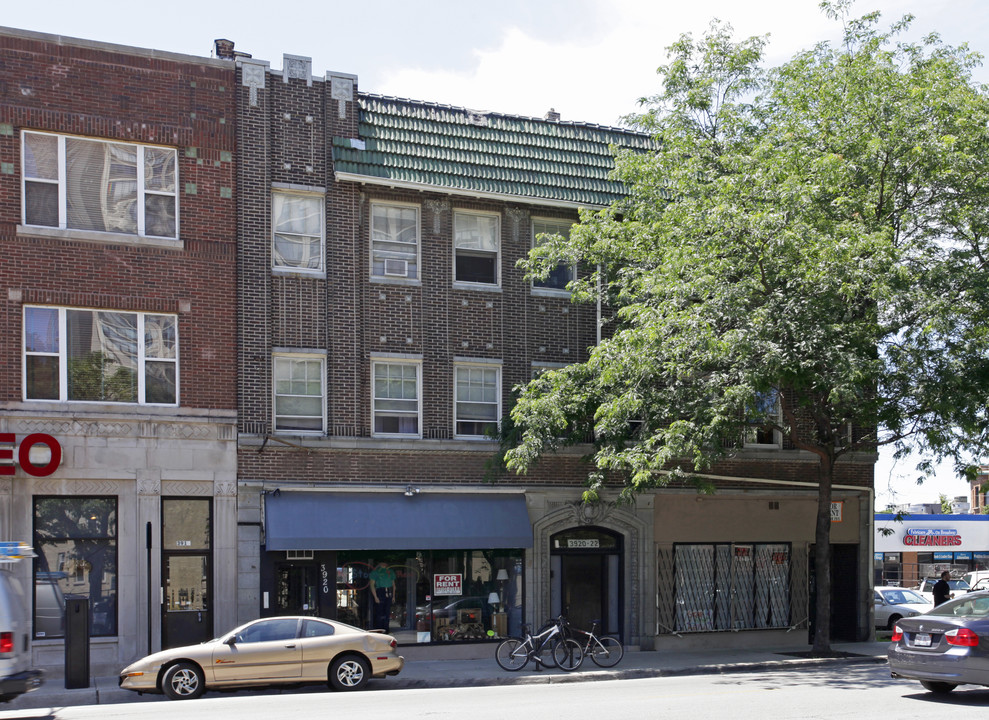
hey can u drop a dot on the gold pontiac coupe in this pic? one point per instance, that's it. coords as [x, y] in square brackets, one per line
[271, 651]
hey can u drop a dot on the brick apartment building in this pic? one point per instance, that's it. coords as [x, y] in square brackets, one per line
[333, 321]
[383, 324]
[118, 375]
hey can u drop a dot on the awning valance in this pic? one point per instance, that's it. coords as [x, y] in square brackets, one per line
[392, 521]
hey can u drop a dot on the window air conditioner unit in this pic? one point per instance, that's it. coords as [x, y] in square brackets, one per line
[397, 268]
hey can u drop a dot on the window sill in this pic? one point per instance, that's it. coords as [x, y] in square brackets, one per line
[550, 292]
[483, 287]
[93, 236]
[298, 272]
[409, 282]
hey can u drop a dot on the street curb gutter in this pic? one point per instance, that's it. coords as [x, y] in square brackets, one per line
[632, 674]
[104, 691]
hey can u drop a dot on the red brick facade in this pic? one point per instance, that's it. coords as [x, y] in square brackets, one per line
[95, 91]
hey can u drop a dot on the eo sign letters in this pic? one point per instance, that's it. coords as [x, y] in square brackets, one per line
[23, 450]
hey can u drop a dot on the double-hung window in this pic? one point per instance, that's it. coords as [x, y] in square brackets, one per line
[75, 183]
[100, 356]
[763, 430]
[300, 404]
[394, 241]
[477, 406]
[476, 247]
[563, 273]
[297, 231]
[395, 399]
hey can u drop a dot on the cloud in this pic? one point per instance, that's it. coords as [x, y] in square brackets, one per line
[598, 76]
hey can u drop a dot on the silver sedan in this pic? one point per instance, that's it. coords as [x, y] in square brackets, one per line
[946, 647]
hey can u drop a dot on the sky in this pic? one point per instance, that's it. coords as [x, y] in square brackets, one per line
[589, 60]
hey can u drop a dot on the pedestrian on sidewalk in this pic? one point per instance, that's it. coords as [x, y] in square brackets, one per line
[942, 591]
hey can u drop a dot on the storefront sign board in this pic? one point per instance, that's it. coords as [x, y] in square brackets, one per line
[448, 584]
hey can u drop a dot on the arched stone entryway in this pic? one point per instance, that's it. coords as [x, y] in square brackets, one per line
[632, 525]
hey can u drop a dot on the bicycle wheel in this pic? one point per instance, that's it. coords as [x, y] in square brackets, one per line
[567, 654]
[606, 651]
[512, 654]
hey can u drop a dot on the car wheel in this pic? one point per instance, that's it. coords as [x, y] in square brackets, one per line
[940, 688]
[183, 681]
[893, 619]
[349, 673]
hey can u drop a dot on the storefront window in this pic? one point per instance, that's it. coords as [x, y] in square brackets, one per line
[432, 596]
[732, 587]
[75, 539]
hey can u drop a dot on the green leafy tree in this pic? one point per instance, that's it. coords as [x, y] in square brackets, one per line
[804, 251]
[945, 504]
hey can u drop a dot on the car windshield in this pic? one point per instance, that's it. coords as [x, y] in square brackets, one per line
[899, 597]
[964, 606]
[953, 584]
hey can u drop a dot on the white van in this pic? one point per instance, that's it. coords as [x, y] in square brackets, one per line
[973, 577]
[16, 674]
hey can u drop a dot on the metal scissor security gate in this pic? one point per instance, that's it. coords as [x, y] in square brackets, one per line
[725, 586]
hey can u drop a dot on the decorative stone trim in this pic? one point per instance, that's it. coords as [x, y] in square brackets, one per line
[517, 216]
[561, 515]
[437, 208]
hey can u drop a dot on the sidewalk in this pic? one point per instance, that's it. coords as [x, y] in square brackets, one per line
[474, 673]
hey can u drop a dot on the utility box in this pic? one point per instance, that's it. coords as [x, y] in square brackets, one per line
[76, 643]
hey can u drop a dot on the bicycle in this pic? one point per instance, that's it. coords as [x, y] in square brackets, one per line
[515, 653]
[604, 650]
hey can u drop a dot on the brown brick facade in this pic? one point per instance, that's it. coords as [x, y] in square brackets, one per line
[286, 141]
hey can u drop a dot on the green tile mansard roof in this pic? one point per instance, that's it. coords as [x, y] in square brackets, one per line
[426, 146]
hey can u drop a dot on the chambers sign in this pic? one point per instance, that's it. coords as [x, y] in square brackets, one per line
[932, 537]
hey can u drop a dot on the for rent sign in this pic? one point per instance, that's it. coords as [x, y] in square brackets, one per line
[449, 584]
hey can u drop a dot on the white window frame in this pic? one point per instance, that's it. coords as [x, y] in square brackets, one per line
[373, 253]
[496, 283]
[376, 413]
[142, 193]
[467, 365]
[751, 433]
[291, 357]
[61, 354]
[320, 199]
[559, 227]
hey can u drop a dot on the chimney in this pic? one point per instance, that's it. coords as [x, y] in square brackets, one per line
[224, 49]
[553, 115]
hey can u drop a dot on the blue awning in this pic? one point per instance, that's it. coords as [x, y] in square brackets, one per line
[392, 521]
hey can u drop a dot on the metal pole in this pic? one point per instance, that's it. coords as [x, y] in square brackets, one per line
[147, 543]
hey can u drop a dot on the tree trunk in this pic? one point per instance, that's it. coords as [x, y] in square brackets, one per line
[822, 558]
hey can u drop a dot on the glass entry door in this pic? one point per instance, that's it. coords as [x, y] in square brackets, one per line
[297, 588]
[187, 562]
